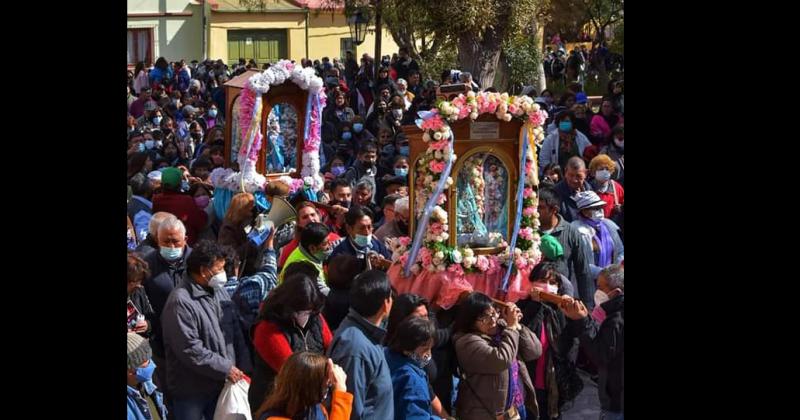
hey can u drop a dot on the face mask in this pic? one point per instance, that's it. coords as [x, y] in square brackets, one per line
[212, 113]
[184, 185]
[620, 143]
[565, 126]
[347, 135]
[202, 201]
[156, 120]
[404, 150]
[141, 147]
[358, 127]
[149, 144]
[323, 255]
[546, 287]
[363, 240]
[301, 318]
[337, 170]
[218, 279]
[171, 254]
[388, 150]
[400, 171]
[196, 135]
[597, 214]
[345, 204]
[398, 113]
[159, 143]
[421, 361]
[145, 374]
[600, 297]
[603, 175]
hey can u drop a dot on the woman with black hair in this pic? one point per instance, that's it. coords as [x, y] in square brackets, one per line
[554, 376]
[290, 321]
[408, 352]
[494, 383]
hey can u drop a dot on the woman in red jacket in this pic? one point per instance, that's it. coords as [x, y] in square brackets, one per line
[610, 191]
[289, 321]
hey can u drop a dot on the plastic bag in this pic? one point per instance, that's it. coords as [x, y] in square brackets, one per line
[233, 403]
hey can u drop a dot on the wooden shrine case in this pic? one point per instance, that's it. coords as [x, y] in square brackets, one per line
[479, 213]
[283, 114]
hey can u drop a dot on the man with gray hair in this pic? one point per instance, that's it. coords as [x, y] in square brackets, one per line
[167, 267]
[150, 242]
[574, 181]
[602, 335]
[395, 213]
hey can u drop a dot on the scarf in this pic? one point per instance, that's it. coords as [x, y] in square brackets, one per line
[603, 238]
[515, 395]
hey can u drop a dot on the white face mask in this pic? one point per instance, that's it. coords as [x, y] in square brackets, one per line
[301, 318]
[619, 143]
[546, 287]
[603, 175]
[600, 297]
[218, 279]
[597, 214]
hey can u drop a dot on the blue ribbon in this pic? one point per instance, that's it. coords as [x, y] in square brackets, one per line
[520, 188]
[426, 213]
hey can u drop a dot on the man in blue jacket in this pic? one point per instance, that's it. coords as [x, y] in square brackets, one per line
[360, 242]
[356, 347]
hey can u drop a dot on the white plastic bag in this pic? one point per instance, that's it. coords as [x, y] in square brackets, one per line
[233, 403]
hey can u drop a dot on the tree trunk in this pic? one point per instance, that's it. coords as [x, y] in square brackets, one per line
[540, 83]
[502, 76]
[480, 56]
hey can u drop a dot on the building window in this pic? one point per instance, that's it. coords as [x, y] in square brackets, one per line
[346, 44]
[140, 46]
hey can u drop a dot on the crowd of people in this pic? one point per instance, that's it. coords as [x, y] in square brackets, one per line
[309, 314]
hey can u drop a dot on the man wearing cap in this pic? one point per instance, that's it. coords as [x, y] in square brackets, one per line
[137, 107]
[145, 402]
[601, 234]
[173, 200]
[575, 256]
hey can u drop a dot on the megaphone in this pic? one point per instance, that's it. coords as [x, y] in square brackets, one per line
[280, 213]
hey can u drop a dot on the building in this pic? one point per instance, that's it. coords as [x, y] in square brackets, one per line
[169, 28]
[291, 29]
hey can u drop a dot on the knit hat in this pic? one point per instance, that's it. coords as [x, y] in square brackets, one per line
[588, 199]
[138, 350]
[580, 98]
[551, 248]
[150, 106]
[171, 177]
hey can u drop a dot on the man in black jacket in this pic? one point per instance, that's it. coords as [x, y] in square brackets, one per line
[573, 182]
[603, 337]
[577, 254]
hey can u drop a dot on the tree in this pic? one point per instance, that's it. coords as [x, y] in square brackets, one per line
[602, 14]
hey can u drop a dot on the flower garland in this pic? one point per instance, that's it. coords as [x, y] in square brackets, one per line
[250, 108]
[436, 255]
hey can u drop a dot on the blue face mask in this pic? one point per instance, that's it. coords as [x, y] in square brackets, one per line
[404, 150]
[363, 240]
[358, 127]
[156, 120]
[347, 135]
[420, 361]
[212, 113]
[171, 254]
[141, 147]
[401, 171]
[337, 170]
[145, 374]
[565, 126]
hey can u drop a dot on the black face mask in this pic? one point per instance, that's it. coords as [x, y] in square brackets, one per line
[196, 136]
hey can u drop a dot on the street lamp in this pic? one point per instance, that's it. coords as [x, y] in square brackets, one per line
[358, 22]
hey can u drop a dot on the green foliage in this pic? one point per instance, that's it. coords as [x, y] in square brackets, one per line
[523, 57]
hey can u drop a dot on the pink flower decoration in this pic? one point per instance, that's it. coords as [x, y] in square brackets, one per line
[404, 240]
[493, 266]
[436, 167]
[482, 263]
[526, 233]
[529, 211]
[527, 193]
[439, 145]
[435, 228]
[433, 123]
[456, 269]
[442, 199]
[403, 258]
[425, 256]
[513, 109]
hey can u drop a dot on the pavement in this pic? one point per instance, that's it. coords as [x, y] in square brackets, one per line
[586, 405]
